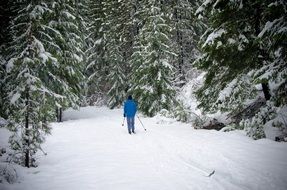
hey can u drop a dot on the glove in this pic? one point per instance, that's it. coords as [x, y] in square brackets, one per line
[124, 115]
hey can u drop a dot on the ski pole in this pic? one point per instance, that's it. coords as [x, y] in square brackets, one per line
[123, 122]
[141, 123]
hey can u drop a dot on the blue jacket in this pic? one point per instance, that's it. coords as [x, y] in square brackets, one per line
[130, 108]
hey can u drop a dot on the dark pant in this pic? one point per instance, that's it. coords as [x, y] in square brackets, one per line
[131, 124]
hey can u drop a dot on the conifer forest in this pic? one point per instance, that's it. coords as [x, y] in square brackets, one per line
[60, 54]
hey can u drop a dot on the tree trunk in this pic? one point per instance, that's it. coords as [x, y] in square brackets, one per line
[27, 152]
[180, 57]
[266, 91]
[59, 114]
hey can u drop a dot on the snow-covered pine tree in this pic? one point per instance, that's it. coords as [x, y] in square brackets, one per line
[273, 35]
[152, 72]
[105, 52]
[32, 102]
[82, 16]
[128, 27]
[96, 66]
[117, 78]
[3, 106]
[118, 24]
[68, 47]
[236, 56]
[187, 30]
[223, 56]
[6, 14]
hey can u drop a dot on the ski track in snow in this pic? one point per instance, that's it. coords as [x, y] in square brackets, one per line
[92, 151]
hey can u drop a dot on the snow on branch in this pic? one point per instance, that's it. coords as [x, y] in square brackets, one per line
[213, 36]
[278, 26]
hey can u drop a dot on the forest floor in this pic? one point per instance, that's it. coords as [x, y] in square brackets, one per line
[91, 150]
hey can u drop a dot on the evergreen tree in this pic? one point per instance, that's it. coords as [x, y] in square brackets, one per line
[238, 58]
[114, 54]
[5, 17]
[187, 30]
[96, 66]
[111, 37]
[274, 36]
[117, 79]
[31, 100]
[68, 47]
[82, 8]
[230, 52]
[3, 105]
[151, 78]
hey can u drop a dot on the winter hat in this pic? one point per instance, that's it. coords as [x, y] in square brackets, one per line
[130, 97]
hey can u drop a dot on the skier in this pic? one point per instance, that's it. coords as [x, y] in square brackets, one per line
[130, 109]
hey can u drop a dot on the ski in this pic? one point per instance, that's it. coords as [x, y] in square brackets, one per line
[210, 174]
[200, 169]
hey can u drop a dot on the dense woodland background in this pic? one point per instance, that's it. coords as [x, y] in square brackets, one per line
[57, 54]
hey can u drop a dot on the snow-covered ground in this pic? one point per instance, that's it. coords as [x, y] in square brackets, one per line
[91, 150]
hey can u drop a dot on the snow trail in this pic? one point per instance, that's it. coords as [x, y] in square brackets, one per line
[92, 151]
